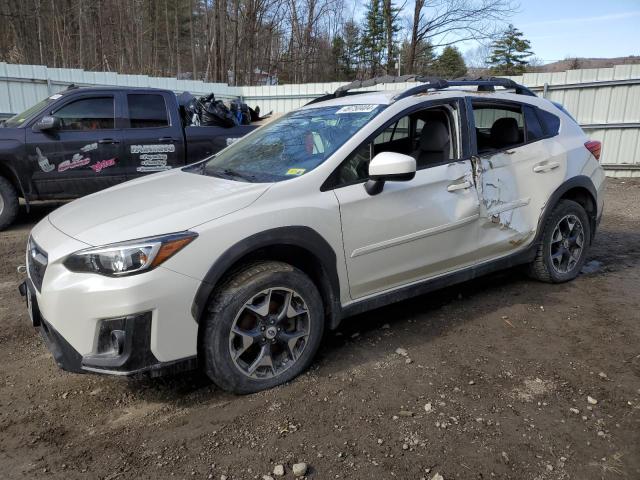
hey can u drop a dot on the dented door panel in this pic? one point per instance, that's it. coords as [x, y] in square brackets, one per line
[514, 186]
[412, 230]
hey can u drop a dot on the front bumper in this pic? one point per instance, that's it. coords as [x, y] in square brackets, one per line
[124, 346]
[78, 311]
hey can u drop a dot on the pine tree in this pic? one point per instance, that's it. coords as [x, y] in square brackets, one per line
[373, 41]
[390, 15]
[352, 49]
[450, 64]
[510, 53]
[337, 57]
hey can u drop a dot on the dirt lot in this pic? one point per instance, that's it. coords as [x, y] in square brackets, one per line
[504, 365]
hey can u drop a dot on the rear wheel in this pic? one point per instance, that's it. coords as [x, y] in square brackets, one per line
[565, 240]
[262, 328]
[8, 203]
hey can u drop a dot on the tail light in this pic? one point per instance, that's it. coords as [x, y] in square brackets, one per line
[594, 147]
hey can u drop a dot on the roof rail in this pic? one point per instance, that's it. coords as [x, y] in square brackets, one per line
[330, 96]
[346, 89]
[484, 84]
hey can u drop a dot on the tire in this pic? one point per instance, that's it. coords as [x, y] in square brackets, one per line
[8, 203]
[563, 248]
[285, 331]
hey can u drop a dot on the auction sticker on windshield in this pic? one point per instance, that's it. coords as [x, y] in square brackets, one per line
[357, 109]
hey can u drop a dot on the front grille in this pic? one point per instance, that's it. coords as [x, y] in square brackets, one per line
[36, 263]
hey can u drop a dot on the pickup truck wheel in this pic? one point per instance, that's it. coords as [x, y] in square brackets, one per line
[262, 328]
[565, 240]
[8, 203]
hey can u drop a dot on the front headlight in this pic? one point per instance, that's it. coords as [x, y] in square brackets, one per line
[128, 258]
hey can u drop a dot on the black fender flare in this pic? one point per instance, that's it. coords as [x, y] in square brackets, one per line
[291, 236]
[581, 181]
[7, 171]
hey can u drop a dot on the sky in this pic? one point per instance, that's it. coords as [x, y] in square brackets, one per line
[558, 29]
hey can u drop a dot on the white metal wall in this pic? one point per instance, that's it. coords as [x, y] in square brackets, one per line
[605, 101]
[22, 86]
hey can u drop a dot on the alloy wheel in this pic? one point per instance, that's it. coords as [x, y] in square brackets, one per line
[269, 333]
[567, 244]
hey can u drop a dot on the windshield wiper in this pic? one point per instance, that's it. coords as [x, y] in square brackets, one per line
[232, 174]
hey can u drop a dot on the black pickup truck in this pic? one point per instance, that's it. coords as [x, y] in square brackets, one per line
[86, 139]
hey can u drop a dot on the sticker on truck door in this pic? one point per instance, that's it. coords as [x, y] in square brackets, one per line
[76, 161]
[43, 162]
[102, 164]
[160, 148]
[153, 158]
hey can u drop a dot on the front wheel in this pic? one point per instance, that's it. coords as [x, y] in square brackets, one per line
[262, 328]
[565, 241]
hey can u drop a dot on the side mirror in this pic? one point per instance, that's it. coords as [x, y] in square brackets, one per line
[389, 166]
[47, 122]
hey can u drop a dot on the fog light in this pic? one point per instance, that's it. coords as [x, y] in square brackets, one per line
[111, 336]
[117, 341]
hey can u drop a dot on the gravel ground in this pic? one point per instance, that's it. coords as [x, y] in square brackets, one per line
[502, 377]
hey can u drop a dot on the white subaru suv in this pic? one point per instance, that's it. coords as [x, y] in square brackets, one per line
[237, 264]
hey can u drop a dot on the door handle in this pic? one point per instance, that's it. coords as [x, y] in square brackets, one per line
[108, 141]
[545, 167]
[459, 186]
[167, 140]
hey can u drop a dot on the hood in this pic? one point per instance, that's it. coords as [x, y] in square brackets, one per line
[154, 205]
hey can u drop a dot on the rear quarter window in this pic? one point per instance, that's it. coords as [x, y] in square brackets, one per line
[534, 128]
[550, 123]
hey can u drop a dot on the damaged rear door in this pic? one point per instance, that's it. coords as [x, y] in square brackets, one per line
[515, 171]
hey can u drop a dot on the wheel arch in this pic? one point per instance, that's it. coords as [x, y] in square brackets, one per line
[581, 190]
[299, 246]
[7, 172]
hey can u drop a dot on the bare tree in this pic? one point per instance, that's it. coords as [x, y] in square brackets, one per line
[447, 22]
[239, 41]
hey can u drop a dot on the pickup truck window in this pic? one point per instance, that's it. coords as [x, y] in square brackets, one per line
[95, 113]
[290, 146]
[147, 110]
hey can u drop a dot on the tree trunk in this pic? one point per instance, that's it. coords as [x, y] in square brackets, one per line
[236, 37]
[80, 42]
[166, 24]
[39, 30]
[388, 20]
[194, 72]
[176, 38]
[413, 46]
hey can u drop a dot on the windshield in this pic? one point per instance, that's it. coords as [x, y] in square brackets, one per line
[19, 119]
[291, 145]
